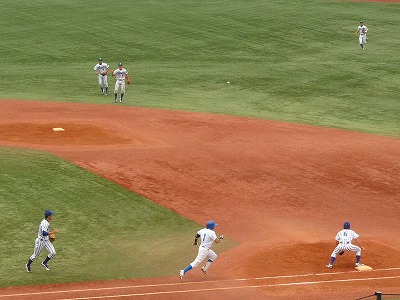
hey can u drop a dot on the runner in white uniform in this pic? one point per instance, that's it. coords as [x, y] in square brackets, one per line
[101, 69]
[208, 236]
[120, 74]
[344, 240]
[42, 241]
[362, 31]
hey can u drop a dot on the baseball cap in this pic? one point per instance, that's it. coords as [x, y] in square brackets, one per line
[120, 64]
[48, 213]
[361, 22]
[100, 59]
[211, 224]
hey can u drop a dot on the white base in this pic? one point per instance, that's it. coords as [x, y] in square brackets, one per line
[364, 268]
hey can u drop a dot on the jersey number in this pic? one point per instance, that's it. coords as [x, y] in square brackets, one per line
[204, 237]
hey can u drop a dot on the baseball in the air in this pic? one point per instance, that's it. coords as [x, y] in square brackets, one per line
[227, 82]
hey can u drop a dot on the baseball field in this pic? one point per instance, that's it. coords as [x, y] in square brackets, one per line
[265, 116]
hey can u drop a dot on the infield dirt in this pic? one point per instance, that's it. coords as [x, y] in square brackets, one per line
[281, 190]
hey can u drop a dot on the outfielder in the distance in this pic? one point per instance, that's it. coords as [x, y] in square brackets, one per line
[121, 75]
[362, 31]
[344, 240]
[101, 69]
[208, 236]
[43, 241]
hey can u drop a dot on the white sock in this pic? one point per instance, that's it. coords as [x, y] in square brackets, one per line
[207, 265]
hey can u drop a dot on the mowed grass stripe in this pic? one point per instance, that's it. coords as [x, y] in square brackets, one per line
[296, 61]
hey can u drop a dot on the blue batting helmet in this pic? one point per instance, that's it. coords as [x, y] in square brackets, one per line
[48, 213]
[211, 224]
[346, 225]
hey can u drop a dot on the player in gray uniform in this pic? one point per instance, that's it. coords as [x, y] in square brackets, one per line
[101, 69]
[362, 31]
[344, 240]
[121, 75]
[43, 241]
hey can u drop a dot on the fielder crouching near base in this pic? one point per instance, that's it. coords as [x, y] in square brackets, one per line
[344, 240]
[208, 236]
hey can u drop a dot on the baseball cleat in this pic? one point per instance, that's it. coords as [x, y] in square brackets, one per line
[45, 266]
[359, 264]
[329, 266]
[203, 270]
[181, 273]
[28, 268]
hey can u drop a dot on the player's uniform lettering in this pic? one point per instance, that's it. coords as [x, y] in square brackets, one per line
[121, 76]
[362, 38]
[102, 68]
[344, 240]
[208, 236]
[43, 242]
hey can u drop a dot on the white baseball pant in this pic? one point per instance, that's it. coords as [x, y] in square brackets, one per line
[39, 245]
[362, 39]
[202, 255]
[346, 247]
[119, 84]
[103, 81]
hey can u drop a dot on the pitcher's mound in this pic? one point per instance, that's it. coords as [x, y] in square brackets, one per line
[65, 134]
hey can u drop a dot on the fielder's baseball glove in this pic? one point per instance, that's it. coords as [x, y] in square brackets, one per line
[104, 74]
[128, 82]
[52, 237]
[341, 252]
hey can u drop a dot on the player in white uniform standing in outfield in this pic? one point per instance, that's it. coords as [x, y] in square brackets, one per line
[43, 241]
[344, 240]
[121, 75]
[207, 236]
[362, 31]
[101, 69]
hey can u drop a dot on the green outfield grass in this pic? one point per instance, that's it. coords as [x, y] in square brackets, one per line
[295, 61]
[106, 231]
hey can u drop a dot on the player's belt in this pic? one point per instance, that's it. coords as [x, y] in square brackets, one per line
[206, 247]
